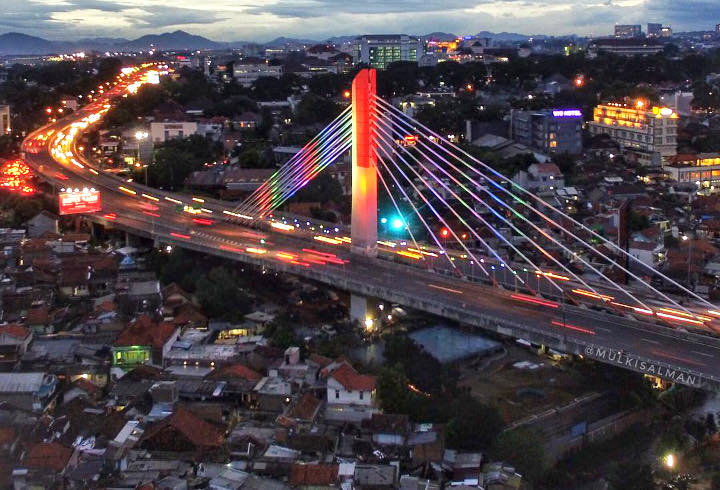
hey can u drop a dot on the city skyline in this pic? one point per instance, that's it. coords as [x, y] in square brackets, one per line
[225, 20]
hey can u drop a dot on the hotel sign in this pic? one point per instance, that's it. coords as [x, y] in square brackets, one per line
[567, 113]
[646, 367]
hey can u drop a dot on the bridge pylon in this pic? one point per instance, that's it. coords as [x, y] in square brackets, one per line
[364, 164]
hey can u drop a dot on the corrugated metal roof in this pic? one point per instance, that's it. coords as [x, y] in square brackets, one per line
[21, 382]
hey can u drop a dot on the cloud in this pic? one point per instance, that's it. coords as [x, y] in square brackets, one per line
[266, 19]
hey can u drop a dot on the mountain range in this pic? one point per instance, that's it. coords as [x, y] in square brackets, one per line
[15, 43]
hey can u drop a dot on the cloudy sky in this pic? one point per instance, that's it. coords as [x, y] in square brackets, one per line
[262, 20]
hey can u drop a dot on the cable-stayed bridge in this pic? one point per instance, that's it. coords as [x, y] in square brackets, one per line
[475, 247]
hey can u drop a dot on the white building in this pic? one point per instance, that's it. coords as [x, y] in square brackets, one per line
[345, 386]
[541, 177]
[648, 253]
[5, 119]
[163, 131]
[247, 73]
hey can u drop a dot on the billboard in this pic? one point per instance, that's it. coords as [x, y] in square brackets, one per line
[77, 201]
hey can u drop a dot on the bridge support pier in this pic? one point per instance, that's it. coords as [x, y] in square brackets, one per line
[365, 311]
[364, 165]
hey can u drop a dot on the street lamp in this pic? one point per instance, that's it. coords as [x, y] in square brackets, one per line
[140, 136]
[669, 461]
[686, 238]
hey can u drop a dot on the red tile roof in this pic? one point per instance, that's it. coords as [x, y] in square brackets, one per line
[305, 408]
[313, 474]
[145, 331]
[237, 371]
[48, 456]
[40, 315]
[200, 433]
[14, 330]
[321, 361]
[86, 386]
[7, 435]
[351, 380]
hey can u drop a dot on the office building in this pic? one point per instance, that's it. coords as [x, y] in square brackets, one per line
[628, 31]
[548, 131]
[625, 47]
[653, 30]
[717, 27]
[378, 51]
[666, 31]
[246, 73]
[645, 134]
[5, 119]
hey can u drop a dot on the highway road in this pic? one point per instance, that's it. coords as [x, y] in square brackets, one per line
[615, 338]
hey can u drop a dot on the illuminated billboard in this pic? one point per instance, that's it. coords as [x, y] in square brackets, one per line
[78, 201]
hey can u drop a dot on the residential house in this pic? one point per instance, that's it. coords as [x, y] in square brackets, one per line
[41, 223]
[44, 465]
[345, 386]
[185, 435]
[14, 342]
[28, 391]
[388, 429]
[143, 340]
[315, 476]
[648, 253]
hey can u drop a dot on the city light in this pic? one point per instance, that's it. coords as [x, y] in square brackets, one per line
[398, 224]
[669, 460]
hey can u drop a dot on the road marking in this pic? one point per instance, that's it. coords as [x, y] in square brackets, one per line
[702, 353]
[456, 291]
[603, 329]
[651, 341]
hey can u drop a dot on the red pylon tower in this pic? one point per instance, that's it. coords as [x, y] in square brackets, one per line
[364, 164]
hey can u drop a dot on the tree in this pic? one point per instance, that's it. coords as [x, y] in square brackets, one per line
[323, 188]
[473, 425]
[522, 448]
[632, 474]
[176, 159]
[220, 296]
[313, 109]
[715, 482]
[392, 390]
[281, 332]
[710, 423]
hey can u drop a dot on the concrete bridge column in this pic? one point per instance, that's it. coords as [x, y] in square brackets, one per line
[365, 311]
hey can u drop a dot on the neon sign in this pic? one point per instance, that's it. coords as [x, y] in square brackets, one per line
[567, 113]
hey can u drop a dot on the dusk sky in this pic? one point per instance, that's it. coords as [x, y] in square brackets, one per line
[231, 20]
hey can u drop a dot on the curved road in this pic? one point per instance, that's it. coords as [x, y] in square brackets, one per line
[155, 214]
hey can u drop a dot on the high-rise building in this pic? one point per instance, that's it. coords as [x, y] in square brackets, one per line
[717, 27]
[4, 119]
[627, 31]
[549, 130]
[378, 51]
[666, 31]
[647, 134]
[654, 30]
